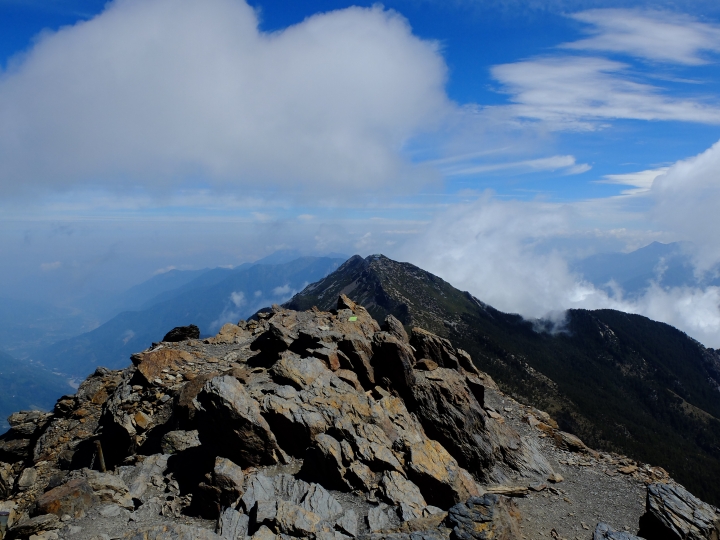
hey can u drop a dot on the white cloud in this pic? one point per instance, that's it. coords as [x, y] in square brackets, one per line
[164, 270]
[501, 251]
[686, 200]
[151, 92]
[282, 291]
[238, 298]
[655, 35]
[578, 93]
[552, 163]
[641, 181]
[46, 267]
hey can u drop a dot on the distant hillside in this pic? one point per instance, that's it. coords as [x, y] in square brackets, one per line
[619, 381]
[211, 299]
[25, 386]
[668, 265]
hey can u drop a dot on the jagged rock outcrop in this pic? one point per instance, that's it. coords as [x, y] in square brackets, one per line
[182, 333]
[673, 513]
[295, 425]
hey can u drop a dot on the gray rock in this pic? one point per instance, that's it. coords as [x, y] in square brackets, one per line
[233, 525]
[402, 492]
[484, 518]
[296, 371]
[378, 519]
[140, 476]
[35, 525]
[110, 488]
[393, 360]
[229, 478]
[171, 531]
[396, 328]
[324, 462]
[288, 488]
[673, 512]
[264, 533]
[348, 523]
[285, 517]
[27, 479]
[603, 531]
[296, 521]
[177, 441]
[231, 418]
[437, 349]
[319, 501]
[258, 488]
[110, 510]
[182, 333]
[263, 513]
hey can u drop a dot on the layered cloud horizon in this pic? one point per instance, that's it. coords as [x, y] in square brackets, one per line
[191, 134]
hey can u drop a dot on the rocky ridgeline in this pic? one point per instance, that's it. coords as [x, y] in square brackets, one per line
[318, 425]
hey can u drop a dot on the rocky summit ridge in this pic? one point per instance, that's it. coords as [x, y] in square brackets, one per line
[621, 382]
[321, 425]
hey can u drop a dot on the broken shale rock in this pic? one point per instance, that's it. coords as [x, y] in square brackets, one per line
[674, 513]
[233, 423]
[295, 425]
[484, 518]
[603, 531]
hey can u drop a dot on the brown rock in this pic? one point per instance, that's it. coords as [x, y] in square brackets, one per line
[441, 480]
[393, 360]
[229, 333]
[484, 518]
[359, 351]
[328, 356]
[426, 365]
[34, 525]
[396, 328]
[142, 420]
[509, 491]
[629, 469]
[151, 364]
[429, 345]
[232, 420]
[185, 406]
[350, 378]
[73, 498]
[570, 442]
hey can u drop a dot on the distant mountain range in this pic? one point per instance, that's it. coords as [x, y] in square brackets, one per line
[619, 381]
[207, 298]
[25, 386]
[667, 265]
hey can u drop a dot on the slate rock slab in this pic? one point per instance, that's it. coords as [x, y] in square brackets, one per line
[673, 513]
[484, 518]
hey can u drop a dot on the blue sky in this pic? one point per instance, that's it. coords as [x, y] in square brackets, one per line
[491, 142]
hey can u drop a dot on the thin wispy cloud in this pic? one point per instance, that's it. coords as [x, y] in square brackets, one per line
[583, 92]
[565, 164]
[660, 36]
[641, 181]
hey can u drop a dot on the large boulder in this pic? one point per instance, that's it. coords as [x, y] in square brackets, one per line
[182, 333]
[672, 513]
[74, 498]
[231, 420]
[484, 518]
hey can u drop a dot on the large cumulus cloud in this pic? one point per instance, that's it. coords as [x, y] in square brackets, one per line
[157, 91]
